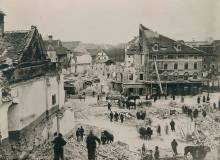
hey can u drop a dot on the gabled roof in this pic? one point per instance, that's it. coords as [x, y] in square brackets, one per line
[165, 44]
[55, 45]
[93, 51]
[13, 44]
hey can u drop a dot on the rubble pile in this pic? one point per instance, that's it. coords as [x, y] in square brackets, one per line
[114, 151]
[211, 129]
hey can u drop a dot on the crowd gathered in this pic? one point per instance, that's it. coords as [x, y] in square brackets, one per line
[145, 132]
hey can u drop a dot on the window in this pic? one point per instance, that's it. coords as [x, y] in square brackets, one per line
[155, 47]
[213, 66]
[129, 56]
[165, 66]
[170, 57]
[175, 66]
[141, 77]
[195, 57]
[204, 66]
[175, 76]
[53, 99]
[160, 57]
[131, 77]
[186, 76]
[195, 75]
[154, 57]
[186, 65]
[179, 47]
[195, 65]
[181, 56]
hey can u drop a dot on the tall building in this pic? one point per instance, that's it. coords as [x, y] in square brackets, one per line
[211, 65]
[156, 64]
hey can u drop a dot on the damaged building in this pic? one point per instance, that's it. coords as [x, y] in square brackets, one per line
[31, 85]
[156, 64]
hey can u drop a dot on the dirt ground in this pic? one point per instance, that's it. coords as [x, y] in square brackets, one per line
[94, 114]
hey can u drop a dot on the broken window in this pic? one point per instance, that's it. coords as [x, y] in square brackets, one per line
[131, 77]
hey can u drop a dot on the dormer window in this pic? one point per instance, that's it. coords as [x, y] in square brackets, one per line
[178, 47]
[155, 47]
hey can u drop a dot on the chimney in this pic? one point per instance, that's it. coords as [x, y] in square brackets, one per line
[2, 15]
[50, 37]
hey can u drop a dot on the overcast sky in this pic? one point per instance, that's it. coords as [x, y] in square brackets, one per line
[114, 21]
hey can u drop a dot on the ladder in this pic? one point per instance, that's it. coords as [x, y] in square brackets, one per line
[158, 77]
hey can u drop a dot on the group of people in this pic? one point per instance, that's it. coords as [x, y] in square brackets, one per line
[166, 128]
[146, 133]
[116, 116]
[156, 155]
[193, 114]
[204, 99]
[79, 134]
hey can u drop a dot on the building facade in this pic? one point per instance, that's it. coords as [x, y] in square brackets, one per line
[211, 66]
[31, 86]
[156, 64]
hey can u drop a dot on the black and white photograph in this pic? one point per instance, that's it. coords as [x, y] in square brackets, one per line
[109, 80]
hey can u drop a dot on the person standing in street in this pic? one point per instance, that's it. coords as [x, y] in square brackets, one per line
[174, 145]
[143, 149]
[93, 94]
[172, 125]
[59, 143]
[208, 98]
[156, 153]
[116, 116]
[78, 134]
[198, 100]
[91, 145]
[81, 133]
[111, 116]
[109, 106]
[98, 98]
[166, 129]
[84, 96]
[203, 99]
[121, 118]
[158, 130]
[204, 113]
